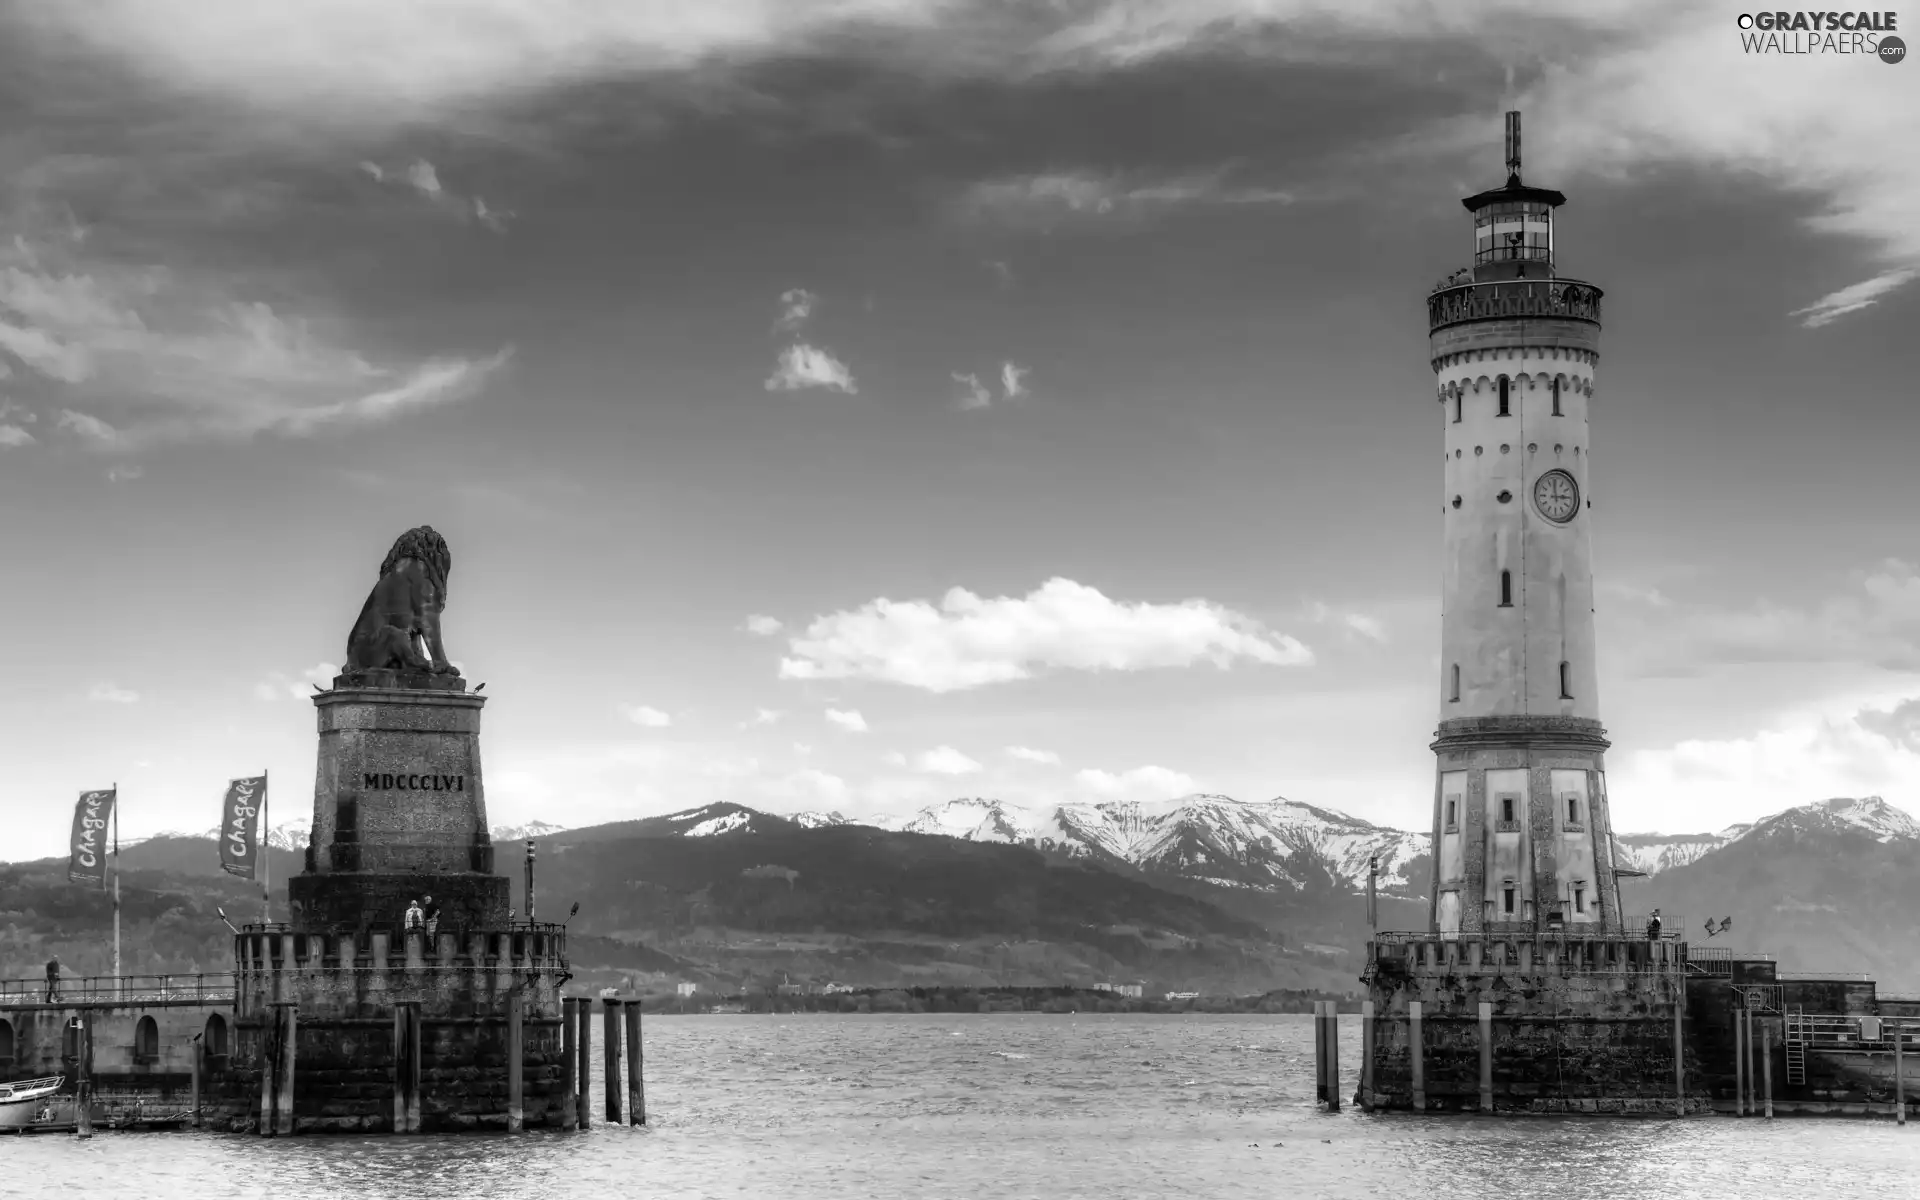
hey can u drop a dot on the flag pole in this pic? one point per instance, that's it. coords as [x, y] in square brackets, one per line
[116, 889]
[266, 853]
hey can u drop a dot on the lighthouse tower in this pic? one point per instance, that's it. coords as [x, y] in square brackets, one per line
[1520, 825]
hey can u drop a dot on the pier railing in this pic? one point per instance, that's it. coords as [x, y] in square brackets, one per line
[107, 989]
[1557, 953]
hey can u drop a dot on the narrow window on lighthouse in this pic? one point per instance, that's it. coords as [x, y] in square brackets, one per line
[1503, 396]
[1579, 897]
[1556, 397]
[1456, 408]
[1506, 895]
[1506, 589]
[1456, 682]
[1566, 683]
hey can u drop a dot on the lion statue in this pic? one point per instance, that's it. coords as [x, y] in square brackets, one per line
[399, 627]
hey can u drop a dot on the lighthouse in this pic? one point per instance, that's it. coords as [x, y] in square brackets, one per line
[1521, 835]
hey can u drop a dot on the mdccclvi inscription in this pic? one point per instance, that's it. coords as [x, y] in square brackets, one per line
[387, 781]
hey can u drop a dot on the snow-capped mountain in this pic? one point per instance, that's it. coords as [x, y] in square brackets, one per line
[520, 833]
[1657, 852]
[1218, 839]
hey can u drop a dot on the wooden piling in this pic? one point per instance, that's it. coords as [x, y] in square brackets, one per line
[1319, 1051]
[416, 1051]
[1486, 1056]
[1680, 1053]
[584, 1101]
[636, 1062]
[198, 1052]
[1333, 1056]
[1899, 1075]
[1766, 1066]
[1739, 1062]
[83, 1087]
[399, 1068]
[283, 1097]
[516, 1056]
[1415, 1040]
[610, 1053]
[1366, 1056]
[406, 1067]
[569, 1087]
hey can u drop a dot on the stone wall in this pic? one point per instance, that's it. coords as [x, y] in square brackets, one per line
[161, 1077]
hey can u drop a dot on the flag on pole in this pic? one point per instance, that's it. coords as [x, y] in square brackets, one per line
[87, 862]
[240, 826]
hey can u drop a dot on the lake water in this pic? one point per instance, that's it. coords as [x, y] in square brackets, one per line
[990, 1107]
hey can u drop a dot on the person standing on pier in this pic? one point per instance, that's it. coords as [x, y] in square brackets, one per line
[1653, 926]
[415, 917]
[53, 977]
[432, 915]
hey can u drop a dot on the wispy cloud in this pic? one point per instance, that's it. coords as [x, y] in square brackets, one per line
[973, 394]
[646, 716]
[762, 626]
[804, 366]
[945, 760]
[847, 719]
[175, 355]
[107, 693]
[761, 716]
[1140, 783]
[1051, 197]
[421, 177]
[1013, 381]
[796, 305]
[1835, 305]
[297, 686]
[1026, 754]
[970, 641]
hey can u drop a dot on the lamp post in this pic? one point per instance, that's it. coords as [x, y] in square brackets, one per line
[529, 881]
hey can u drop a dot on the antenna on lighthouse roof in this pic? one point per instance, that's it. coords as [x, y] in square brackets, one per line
[1513, 143]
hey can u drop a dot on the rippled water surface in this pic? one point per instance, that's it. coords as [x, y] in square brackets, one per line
[924, 1107]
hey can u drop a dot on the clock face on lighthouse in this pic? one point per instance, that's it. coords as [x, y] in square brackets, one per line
[1557, 496]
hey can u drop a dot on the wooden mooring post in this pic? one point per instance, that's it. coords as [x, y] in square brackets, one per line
[1739, 1062]
[1680, 1054]
[1899, 1075]
[1415, 1043]
[584, 1101]
[83, 1087]
[516, 1060]
[610, 1012]
[1366, 1056]
[195, 1055]
[1319, 1052]
[1486, 1056]
[1333, 1056]
[636, 1063]
[406, 1067]
[289, 1043]
[1766, 1066]
[569, 1087]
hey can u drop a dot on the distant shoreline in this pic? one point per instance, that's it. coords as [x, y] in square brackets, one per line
[936, 1000]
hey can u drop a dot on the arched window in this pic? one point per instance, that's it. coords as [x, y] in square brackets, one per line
[1506, 589]
[146, 1041]
[1566, 682]
[6, 1043]
[1503, 395]
[215, 1038]
[1456, 681]
[1556, 396]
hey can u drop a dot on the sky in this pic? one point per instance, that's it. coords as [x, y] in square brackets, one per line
[858, 404]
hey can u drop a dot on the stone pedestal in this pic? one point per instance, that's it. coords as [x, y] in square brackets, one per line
[399, 810]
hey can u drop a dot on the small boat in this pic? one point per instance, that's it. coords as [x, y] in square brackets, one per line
[34, 1104]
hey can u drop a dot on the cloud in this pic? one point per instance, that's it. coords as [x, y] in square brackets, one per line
[1158, 783]
[14, 435]
[176, 354]
[1838, 304]
[1843, 748]
[763, 626]
[804, 366]
[1051, 197]
[423, 178]
[122, 472]
[297, 686]
[974, 394]
[850, 721]
[971, 641]
[1874, 620]
[808, 783]
[1024, 754]
[1355, 623]
[802, 748]
[894, 758]
[761, 716]
[796, 305]
[945, 760]
[108, 693]
[645, 716]
[1012, 377]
